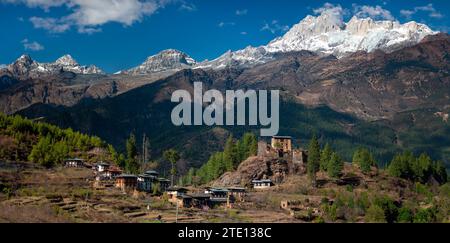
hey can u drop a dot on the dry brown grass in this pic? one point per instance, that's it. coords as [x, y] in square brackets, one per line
[32, 214]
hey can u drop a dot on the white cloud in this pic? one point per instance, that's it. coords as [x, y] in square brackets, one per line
[335, 12]
[432, 12]
[244, 33]
[374, 12]
[241, 12]
[224, 24]
[407, 13]
[50, 24]
[95, 13]
[88, 15]
[190, 7]
[32, 46]
[44, 4]
[275, 27]
[88, 30]
[329, 8]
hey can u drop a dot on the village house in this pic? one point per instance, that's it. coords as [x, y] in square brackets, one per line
[262, 184]
[217, 195]
[152, 173]
[282, 144]
[113, 171]
[74, 163]
[126, 182]
[183, 201]
[210, 197]
[164, 184]
[174, 192]
[101, 167]
[200, 200]
[237, 194]
[108, 174]
[144, 182]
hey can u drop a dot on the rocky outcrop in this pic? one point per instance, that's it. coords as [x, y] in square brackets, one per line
[255, 168]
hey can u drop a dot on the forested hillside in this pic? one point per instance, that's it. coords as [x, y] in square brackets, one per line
[48, 145]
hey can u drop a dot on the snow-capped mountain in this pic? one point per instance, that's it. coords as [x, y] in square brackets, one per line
[244, 58]
[24, 66]
[329, 34]
[69, 64]
[319, 34]
[164, 61]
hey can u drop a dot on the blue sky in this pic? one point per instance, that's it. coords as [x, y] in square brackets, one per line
[119, 34]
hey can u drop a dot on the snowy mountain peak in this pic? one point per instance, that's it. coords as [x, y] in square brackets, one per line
[167, 60]
[25, 60]
[66, 60]
[25, 67]
[328, 34]
[173, 55]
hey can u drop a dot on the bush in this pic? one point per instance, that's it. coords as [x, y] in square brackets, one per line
[375, 214]
[389, 208]
[405, 215]
[425, 216]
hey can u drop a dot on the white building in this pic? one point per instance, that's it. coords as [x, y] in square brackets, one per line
[262, 184]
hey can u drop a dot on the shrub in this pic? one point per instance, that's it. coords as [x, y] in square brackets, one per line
[425, 216]
[405, 215]
[375, 214]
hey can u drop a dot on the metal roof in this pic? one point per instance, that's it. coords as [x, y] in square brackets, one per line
[151, 172]
[126, 176]
[200, 195]
[282, 137]
[75, 159]
[236, 188]
[219, 190]
[184, 196]
[102, 163]
[262, 181]
[177, 189]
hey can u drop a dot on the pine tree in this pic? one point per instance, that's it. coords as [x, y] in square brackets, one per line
[313, 164]
[325, 157]
[400, 165]
[335, 166]
[364, 159]
[190, 177]
[132, 164]
[422, 168]
[172, 156]
[250, 144]
[253, 150]
[230, 154]
[441, 172]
